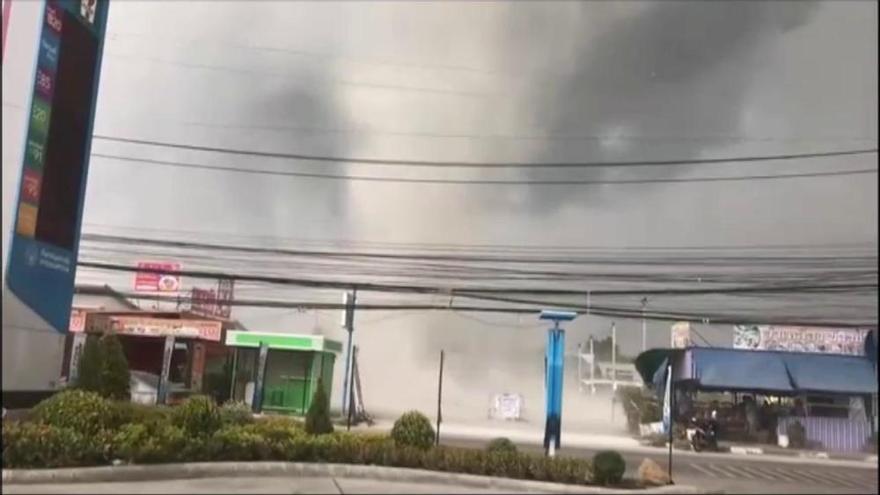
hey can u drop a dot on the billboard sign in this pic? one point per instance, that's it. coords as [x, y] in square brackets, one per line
[213, 303]
[159, 327]
[800, 339]
[681, 335]
[77, 321]
[149, 281]
[55, 147]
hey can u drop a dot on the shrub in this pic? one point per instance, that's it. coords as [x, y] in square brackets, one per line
[115, 376]
[198, 416]
[238, 443]
[235, 413]
[84, 412]
[90, 366]
[38, 445]
[501, 445]
[318, 416]
[413, 429]
[608, 467]
[103, 368]
[150, 443]
[129, 412]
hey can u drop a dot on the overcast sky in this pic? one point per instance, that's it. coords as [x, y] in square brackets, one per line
[493, 81]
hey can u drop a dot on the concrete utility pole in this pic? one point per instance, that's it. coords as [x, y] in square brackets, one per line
[613, 357]
[348, 323]
[644, 326]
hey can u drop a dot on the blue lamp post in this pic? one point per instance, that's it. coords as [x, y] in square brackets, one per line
[554, 361]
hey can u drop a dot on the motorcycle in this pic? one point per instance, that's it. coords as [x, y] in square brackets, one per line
[703, 435]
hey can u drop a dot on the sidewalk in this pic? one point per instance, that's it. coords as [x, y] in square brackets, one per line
[278, 477]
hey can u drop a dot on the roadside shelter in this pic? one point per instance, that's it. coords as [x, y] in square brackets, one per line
[825, 383]
[294, 363]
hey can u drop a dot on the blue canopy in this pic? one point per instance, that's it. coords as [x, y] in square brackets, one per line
[766, 371]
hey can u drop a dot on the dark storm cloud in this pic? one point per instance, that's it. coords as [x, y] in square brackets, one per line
[670, 69]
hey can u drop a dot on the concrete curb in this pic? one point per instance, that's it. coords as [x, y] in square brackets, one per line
[294, 469]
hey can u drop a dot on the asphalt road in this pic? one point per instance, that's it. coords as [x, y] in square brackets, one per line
[732, 474]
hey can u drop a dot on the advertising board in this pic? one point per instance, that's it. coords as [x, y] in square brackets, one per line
[54, 147]
[800, 339]
[159, 327]
[149, 281]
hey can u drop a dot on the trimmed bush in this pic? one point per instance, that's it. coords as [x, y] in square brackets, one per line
[413, 429]
[84, 412]
[115, 376]
[608, 467]
[103, 368]
[150, 443]
[236, 413]
[90, 366]
[193, 432]
[38, 445]
[501, 445]
[198, 416]
[130, 412]
[318, 416]
[239, 443]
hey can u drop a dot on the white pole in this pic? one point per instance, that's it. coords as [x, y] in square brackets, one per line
[644, 331]
[592, 368]
[580, 368]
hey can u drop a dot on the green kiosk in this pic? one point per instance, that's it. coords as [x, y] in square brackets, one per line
[293, 365]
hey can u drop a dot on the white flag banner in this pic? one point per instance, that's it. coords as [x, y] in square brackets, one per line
[667, 401]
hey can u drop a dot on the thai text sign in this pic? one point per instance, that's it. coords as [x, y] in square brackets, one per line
[800, 339]
[159, 327]
[148, 281]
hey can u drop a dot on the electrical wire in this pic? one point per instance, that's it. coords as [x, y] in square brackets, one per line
[486, 182]
[465, 164]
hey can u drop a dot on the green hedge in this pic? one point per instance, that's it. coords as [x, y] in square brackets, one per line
[143, 435]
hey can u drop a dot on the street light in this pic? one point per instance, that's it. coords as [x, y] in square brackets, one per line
[555, 356]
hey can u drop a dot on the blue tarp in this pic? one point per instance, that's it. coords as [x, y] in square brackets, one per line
[822, 372]
[732, 370]
[769, 371]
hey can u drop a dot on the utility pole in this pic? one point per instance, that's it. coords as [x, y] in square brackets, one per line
[644, 326]
[613, 357]
[348, 323]
[592, 368]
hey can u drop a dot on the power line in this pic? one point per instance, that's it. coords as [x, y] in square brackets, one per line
[475, 292]
[870, 246]
[475, 182]
[465, 164]
[833, 260]
[535, 310]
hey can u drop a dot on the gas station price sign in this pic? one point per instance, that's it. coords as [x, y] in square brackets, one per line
[45, 241]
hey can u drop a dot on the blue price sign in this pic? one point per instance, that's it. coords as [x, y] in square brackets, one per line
[45, 238]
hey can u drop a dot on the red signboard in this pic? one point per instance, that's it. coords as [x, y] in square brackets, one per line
[145, 281]
[77, 320]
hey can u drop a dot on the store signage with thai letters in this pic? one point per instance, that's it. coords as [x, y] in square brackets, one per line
[800, 339]
[159, 327]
